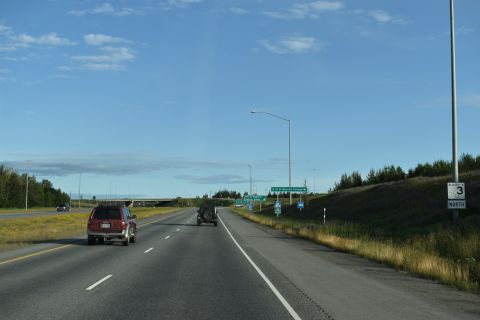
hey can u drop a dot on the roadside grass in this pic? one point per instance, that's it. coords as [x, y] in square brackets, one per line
[22, 210]
[19, 232]
[448, 256]
[42, 209]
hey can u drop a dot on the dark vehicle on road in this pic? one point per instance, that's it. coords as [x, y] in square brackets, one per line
[207, 213]
[63, 207]
[111, 222]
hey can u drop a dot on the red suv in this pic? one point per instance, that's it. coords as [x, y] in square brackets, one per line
[111, 222]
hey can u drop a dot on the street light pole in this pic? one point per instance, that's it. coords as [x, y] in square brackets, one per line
[314, 178]
[26, 189]
[250, 166]
[454, 102]
[289, 147]
[79, 188]
[290, 159]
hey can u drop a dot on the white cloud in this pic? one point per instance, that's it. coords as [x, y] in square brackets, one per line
[5, 29]
[182, 3]
[101, 39]
[463, 30]
[51, 39]
[384, 17]
[292, 44]
[118, 164]
[238, 10]
[471, 100]
[110, 59]
[103, 67]
[104, 8]
[218, 179]
[107, 9]
[305, 10]
[110, 55]
[7, 48]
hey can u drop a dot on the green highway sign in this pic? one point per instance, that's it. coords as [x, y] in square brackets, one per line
[246, 201]
[289, 189]
[255, 198]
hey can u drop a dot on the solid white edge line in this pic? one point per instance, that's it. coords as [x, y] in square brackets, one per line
[264, 277]
[167, 237]
[147, 251]
[98, 282]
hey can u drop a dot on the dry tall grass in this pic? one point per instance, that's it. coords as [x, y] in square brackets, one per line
[444, 256]
[19, 232]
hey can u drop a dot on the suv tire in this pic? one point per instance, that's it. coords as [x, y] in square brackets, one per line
[133, 238]
[91, 240]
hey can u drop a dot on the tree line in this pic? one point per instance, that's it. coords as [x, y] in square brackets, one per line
[40, 193]
[391, 173]
[226, 194]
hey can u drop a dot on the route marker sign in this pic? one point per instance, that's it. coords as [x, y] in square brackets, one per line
[456, 191]
[278, 208]
[456, 195]
[301, 205]
[289, 189]
[250, 207]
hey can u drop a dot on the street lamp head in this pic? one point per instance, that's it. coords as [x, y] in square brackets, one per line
[253, 111]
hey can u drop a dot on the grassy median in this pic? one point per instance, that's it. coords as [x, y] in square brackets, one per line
[446, 256]
[18, 232]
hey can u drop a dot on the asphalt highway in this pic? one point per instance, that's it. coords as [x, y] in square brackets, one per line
[238, 270]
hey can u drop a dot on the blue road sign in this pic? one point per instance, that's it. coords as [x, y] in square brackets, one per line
[278, 208]
[250, 207]
[301, 205]
[278, 204]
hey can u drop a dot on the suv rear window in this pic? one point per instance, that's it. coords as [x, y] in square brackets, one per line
[106, 213]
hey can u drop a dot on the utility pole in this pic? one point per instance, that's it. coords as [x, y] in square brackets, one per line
[454, 102]
[250, 166]
[26, 188]
[314, 178]
[79, 188]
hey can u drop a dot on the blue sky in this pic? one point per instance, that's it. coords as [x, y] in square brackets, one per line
[152, 98]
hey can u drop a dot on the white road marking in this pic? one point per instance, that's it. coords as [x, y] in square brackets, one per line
[98, 282]
[148, 250]
[167, 237]
[178, 230]
[285, 303]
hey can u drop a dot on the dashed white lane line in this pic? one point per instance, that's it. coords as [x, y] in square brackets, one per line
[178, 230]
[279, 296]
[147, 251]
[98, 282]
[167, 237]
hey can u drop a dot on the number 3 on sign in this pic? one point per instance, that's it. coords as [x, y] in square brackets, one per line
[459, 190]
